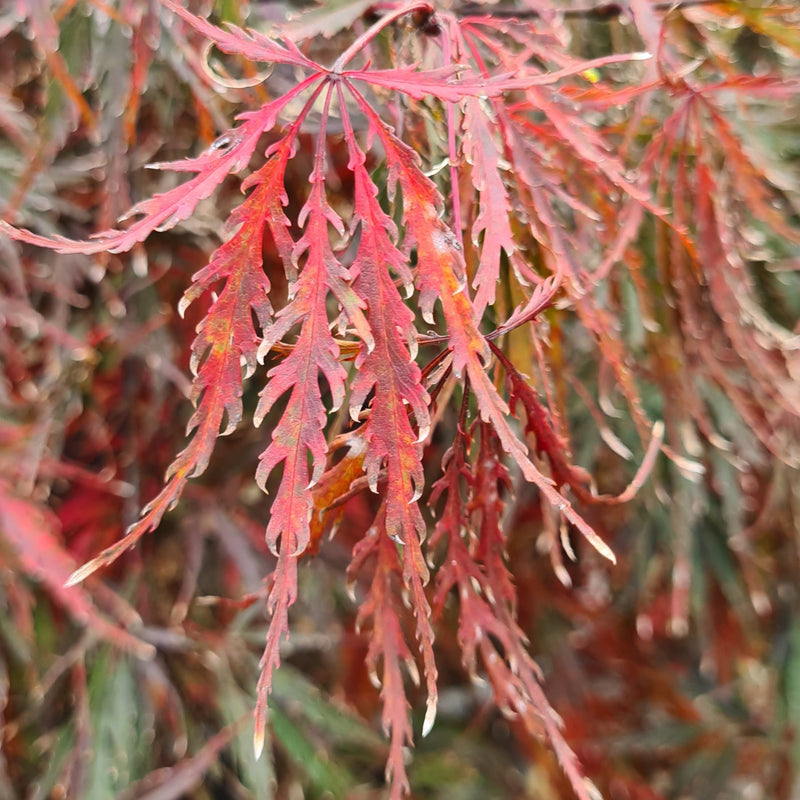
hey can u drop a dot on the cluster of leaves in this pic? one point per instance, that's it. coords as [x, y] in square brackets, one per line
[475, 252]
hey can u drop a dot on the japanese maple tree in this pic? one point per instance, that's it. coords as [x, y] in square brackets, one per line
[481, 197]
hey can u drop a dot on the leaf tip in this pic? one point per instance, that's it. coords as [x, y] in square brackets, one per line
[258, 741]
[263, 351]
[183, 304]
[607, 552]
[81, 574]
[430, 717]
[563, 576]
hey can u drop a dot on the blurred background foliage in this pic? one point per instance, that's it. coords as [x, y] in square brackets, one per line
[677, 672]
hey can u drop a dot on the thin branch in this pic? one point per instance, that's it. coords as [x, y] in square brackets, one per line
[604, 11]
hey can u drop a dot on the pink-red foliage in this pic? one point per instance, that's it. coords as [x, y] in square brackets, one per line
[481, 195]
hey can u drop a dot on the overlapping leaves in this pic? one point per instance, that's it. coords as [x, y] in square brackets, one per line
[356, 279]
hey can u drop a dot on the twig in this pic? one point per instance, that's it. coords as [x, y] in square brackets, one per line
[604, 11]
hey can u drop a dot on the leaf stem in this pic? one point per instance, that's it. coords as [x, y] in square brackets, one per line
[374, 30]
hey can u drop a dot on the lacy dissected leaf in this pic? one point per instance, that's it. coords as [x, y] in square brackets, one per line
[441, 276]
[549, 443]
[771, 364]
[750, 180]
[387, 372]
[493, 219]
[251, 44]
[230, 153]
[562, 214]
[477, 573]
[750, 355]
[226, 339]
[574, 132]
[300, 432]
[387, 646]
